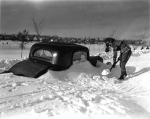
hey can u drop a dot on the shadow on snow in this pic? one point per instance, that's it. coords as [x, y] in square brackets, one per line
[131, 71]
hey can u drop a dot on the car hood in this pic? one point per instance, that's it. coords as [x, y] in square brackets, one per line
[29, 68]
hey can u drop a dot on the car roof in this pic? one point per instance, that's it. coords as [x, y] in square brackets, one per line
[58, 46]
[59, 43]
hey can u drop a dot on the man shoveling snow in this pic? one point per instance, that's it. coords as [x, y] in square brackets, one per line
[125, 53]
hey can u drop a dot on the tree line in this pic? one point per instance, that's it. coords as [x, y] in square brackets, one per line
[25, 36]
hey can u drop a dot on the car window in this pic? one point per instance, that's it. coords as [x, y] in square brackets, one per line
[65, 60]
[43, 53]
[79, 55]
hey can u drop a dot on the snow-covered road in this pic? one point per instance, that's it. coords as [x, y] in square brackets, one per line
[79, 92]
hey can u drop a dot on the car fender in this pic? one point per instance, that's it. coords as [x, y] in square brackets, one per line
[93, 60]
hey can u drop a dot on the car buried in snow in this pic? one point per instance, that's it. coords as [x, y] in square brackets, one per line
[56, 56]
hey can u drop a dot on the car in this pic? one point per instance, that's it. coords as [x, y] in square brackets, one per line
[56, 56]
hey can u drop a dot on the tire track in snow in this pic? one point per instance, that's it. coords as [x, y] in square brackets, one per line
[135, 89]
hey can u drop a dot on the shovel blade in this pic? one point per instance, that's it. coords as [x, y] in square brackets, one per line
[105, 72]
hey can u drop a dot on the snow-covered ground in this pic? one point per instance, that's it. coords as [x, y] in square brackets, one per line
[79, 92]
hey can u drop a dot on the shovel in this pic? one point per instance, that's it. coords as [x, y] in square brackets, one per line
[115, 64]
[107, 71]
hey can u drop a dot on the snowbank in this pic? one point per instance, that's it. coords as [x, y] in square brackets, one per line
[5, 64]
[79, 92]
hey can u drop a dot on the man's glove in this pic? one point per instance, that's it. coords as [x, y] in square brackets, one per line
[119, 58]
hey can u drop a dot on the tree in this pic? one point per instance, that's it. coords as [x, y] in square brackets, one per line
[143, 36]
[38, 25]
[111, 35]
[22, 40]
[112, 32]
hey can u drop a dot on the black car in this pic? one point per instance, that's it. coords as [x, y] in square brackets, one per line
[56, 56]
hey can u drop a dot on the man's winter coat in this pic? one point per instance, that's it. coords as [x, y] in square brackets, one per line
[121, 46]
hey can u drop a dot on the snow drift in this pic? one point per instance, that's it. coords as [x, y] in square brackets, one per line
[79, 92]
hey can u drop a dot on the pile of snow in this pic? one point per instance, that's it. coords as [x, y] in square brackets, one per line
[139, 52]
[5, 64]
[79, 92]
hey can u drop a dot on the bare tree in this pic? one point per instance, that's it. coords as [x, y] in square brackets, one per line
[38, 25]
[22, 40]
[143, 36]
[112, 32]
[111, 35]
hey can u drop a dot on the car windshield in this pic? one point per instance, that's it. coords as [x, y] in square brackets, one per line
[79, 55]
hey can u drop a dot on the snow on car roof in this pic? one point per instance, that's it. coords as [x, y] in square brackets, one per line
[58, 45]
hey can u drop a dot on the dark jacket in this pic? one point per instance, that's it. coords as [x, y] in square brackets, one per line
[121, 46]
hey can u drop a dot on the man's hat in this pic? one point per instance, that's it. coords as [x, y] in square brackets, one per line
[110, 40]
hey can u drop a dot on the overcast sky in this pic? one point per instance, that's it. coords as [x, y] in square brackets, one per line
[82, 18]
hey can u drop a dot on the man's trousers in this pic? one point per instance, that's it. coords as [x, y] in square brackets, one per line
[124, 58]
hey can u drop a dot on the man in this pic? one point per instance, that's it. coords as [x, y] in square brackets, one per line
[125, 53]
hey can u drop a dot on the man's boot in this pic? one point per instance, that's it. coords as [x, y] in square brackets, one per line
[123, 75]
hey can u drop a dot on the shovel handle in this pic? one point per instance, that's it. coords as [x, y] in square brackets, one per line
[115, 63]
